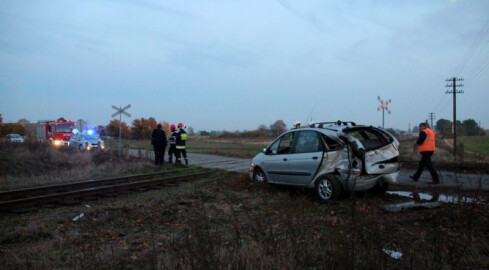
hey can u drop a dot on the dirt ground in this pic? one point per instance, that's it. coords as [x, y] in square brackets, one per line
[228, 222]
[225, 221]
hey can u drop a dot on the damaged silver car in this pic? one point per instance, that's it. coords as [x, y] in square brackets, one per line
[331, 158]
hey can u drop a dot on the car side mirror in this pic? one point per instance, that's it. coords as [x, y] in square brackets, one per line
[264, 150]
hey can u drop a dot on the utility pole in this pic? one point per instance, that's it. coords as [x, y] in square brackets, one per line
[432, 116]
[384, 107]
[453, 84]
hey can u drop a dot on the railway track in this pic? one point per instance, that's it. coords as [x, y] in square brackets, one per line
[25, 198]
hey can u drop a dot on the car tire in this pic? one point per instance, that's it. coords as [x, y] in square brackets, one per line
[328, 188]
[259, 176]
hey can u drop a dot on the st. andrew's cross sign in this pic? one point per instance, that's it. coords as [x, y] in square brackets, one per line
[119, 112]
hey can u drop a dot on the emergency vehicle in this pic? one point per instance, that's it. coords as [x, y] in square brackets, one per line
[56, 133]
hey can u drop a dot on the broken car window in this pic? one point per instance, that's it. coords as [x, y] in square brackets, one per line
[308, 142]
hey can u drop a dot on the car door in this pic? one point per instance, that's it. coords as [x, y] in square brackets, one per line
[78, 140]
[276, 159]
[380, 149]
[305, 158]
[74, 141]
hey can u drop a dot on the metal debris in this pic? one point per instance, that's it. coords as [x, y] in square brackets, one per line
[394, 254]
[78, 217]
[408, 205]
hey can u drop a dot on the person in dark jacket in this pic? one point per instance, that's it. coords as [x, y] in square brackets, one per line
[181, 144]
[158, 140]
[172, 141]
[426, 147]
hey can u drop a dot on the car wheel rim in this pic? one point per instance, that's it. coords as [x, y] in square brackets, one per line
[259, 177]
[325, 189]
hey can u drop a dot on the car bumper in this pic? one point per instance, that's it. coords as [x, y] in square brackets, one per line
[57, 143]
[367, 183]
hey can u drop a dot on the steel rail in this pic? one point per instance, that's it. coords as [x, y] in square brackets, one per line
[56, 197]
[18, 193]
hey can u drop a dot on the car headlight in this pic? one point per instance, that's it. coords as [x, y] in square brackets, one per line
[57, 143]
[251, 167]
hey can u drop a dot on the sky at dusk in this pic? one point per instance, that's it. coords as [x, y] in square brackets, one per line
[234, 65]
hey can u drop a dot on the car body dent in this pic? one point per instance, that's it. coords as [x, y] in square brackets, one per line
[356, 166]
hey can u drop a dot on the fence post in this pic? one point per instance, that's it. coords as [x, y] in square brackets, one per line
[461, 152]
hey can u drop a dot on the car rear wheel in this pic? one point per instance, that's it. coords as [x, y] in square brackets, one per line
[328, 188]
[259, 176]
[380, 188]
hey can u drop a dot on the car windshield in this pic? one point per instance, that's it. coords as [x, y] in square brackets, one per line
[64, 128]
[90, 136]
[16, 136]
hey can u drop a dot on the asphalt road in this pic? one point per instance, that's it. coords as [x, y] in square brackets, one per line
[449, 179]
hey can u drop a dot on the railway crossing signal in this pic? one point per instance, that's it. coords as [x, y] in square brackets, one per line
[384, 107]
[119, 112]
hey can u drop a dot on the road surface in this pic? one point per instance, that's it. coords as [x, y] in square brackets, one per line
[450, 179]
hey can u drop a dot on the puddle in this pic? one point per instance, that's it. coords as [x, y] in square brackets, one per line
[419, 197]
[398, 207]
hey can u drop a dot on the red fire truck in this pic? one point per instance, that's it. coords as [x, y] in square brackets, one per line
[57, 133]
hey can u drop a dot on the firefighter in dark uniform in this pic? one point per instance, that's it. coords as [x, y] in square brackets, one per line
[158, 140]
[172, 141]
[181, 141]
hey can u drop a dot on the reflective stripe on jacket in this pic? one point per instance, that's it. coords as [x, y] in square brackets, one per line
[429, 143]
[173, 138]
[181, 139]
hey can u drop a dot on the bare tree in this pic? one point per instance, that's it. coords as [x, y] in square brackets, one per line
[278, 127]
[262, 128]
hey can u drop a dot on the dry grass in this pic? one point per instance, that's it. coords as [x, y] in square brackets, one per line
[33, 164]
[226, 222]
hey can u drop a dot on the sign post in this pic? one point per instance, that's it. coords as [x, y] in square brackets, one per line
[119, 112]
[384, 107]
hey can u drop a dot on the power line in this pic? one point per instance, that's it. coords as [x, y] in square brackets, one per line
[481, 67]
[473, 50]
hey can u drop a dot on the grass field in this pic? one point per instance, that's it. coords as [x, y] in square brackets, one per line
[224, 221]
[194, 145]
[476, 148]
[475, 144]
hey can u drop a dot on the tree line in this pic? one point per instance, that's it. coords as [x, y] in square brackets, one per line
[141, 128]
[467, 127]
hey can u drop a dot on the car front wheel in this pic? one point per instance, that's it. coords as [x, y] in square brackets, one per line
[259, 175]
[328, 188]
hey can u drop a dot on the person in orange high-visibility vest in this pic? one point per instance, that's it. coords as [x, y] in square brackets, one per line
[426, 147]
